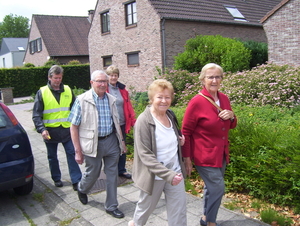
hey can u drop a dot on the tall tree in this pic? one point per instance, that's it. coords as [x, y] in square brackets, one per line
[14, 26]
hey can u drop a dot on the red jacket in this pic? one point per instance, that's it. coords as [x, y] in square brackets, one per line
[206, 135]
[128, 109]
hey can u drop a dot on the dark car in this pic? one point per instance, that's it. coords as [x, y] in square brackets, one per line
[16, 159]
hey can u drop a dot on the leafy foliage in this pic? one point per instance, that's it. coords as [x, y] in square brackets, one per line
[51, 62]
[14, 26]
[74, 62]
[28, 80]
[259, 52]
[229, 53]
[29, 65]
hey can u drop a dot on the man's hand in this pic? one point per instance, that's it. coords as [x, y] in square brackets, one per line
[45, 135]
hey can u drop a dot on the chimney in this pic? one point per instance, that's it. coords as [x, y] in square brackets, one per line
[91, 14]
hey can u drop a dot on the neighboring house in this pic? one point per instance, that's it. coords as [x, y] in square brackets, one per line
[140, 35]
[282, 27]
[63, 38]
[12, 52]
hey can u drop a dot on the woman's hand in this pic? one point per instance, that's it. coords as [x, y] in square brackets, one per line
[182, 140]
[188, 165]
[226, 114]
[177, 179]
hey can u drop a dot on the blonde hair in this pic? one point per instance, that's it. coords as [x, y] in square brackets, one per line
[112, 69]
[158, 85]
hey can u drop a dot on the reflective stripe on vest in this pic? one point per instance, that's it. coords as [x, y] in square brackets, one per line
[56, 114]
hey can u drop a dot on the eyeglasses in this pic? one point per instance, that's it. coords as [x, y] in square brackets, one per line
[214, 77]
[101, 81]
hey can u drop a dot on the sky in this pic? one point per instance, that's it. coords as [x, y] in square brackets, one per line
[26, 8]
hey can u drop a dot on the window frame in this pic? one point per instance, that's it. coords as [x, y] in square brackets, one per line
[235, 13]
[35, 45]
[105, 22]
[105, 59]
[130, 17]
[129, 59]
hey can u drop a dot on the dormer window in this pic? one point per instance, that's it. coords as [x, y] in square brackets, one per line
[235, 13]
[130, 13]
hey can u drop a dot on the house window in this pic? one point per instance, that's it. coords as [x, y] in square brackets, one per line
[130, 11]
[35, 45]
[235, 13]
[107, 60]
[133, 59]
[105, 22]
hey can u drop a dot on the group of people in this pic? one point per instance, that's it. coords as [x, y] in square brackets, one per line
[92, 128]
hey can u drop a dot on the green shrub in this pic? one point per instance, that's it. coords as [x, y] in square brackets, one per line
[229, 53]
[259, 52]
[29, 65]
[74, 62]
[51, 62]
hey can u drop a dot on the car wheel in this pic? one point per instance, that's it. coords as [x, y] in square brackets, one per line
[25, 189]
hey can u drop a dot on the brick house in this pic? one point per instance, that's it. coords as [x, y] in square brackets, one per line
[282, 28]
[140, 35]
[63, 38]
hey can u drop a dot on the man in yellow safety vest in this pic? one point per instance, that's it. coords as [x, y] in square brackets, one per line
[51, 109]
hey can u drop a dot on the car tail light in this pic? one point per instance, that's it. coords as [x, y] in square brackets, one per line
[28, 178]
[10, 115]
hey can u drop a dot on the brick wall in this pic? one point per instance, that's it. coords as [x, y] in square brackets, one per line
[283, 33]
[145, 37]
[38, 58]
[177, 32]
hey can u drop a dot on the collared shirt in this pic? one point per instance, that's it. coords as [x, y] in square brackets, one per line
[105, 121]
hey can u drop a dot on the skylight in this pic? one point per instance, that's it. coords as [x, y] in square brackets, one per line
[235, 13]
[20, 48]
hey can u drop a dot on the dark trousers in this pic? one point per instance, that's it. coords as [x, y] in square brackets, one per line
[74, 170]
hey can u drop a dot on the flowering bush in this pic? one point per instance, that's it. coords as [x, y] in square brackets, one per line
[268, 84]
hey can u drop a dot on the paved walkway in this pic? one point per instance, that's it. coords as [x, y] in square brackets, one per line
[65, 205]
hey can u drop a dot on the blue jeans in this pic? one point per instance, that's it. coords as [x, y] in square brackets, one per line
[74, 170]
[122, 159]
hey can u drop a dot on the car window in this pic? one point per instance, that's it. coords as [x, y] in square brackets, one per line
[3, 120]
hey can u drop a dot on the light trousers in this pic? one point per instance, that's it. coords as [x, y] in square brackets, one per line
[175, 203]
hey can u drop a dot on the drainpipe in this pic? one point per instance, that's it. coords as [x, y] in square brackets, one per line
[164, 60]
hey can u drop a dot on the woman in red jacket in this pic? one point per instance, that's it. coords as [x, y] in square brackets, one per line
[205, 127]
[125, 110]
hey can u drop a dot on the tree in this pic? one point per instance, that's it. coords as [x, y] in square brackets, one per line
[14, 26]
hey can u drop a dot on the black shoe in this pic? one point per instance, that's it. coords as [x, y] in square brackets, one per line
[75, 185]
[125, 175]
[202, 222]
[82, 197]
[115, 213]
[58, 183]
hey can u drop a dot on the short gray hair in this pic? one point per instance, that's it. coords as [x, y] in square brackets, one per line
[97, 72]
[55, 70]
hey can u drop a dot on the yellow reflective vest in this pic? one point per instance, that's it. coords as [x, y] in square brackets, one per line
[56, 114]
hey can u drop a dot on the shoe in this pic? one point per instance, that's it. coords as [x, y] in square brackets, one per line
[115, 213]
[82, 197]
[58, 183]
[125, 175]
[202, 222]
[75, 185]
[131, 223]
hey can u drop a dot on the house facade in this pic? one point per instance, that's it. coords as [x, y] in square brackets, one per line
[63, 38]
[12, 52]
[140, 36]
[282, 28]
